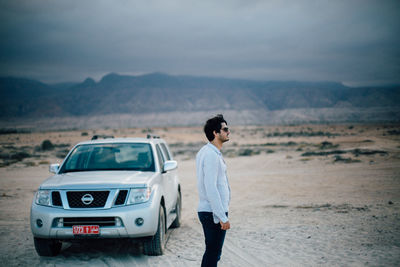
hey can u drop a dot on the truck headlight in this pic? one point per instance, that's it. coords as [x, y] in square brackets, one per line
[139, 195]
[43, 197]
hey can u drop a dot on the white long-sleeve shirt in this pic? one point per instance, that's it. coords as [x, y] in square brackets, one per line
[212, 183]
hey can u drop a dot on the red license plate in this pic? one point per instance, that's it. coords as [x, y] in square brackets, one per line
[85, 229]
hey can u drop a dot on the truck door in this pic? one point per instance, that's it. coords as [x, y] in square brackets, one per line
[167, 181]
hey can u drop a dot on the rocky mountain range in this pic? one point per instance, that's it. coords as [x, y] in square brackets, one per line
[162, 93]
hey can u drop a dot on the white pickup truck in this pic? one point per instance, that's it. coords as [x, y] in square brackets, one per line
[109, 188]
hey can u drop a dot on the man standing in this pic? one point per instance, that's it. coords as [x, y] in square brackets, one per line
[214, 191]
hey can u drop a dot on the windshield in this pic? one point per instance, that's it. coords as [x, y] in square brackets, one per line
[116, 156]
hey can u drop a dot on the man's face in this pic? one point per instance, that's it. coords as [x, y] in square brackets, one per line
[223, 134]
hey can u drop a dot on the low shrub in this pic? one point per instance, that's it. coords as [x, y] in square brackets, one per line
[19, 155]
[393, 132]
[13, 131]
[46, 145]
[356, 152]
[322, 153]
[248, 152]
[61, 154]
[301, 133]
[327, 145]
[345, 160]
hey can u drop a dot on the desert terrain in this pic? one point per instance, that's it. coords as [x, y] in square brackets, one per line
[302, 195]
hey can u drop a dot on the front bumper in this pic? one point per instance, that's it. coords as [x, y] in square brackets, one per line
[127, 214]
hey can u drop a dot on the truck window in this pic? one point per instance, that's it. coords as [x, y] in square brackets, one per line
[166, 151]
[160, 157]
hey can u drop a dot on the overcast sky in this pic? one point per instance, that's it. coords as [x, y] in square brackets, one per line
[355, 42]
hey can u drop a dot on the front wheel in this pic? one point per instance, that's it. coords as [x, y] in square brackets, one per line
[47, 247]
[156, 245]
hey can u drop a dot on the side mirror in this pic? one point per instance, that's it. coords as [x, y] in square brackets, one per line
[54, 168]
[170, 165]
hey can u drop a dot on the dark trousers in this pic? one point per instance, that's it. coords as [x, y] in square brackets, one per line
[214, 239]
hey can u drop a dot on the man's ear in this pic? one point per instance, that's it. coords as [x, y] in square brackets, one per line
[215, 133]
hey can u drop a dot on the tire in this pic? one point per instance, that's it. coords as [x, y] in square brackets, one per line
[178, 209]
[156, 245]
[47, 247]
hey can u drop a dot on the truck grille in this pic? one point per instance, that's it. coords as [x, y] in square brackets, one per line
[56, 198]
[121, 197]
[75, 199]
[100, 221]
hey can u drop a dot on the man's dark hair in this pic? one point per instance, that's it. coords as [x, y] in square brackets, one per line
[213, 124]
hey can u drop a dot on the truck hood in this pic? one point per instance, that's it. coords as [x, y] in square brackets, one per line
[98, 180]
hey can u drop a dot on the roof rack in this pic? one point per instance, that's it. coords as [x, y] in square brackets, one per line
[149, 136]
[98, 136]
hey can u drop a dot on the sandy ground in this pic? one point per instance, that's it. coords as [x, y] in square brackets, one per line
[286, 209]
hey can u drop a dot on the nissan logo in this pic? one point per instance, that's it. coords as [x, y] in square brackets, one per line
[87, 199]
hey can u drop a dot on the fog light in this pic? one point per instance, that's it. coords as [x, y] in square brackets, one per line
[60, 222]
[118, 222]
[139, 221]
[39, 223]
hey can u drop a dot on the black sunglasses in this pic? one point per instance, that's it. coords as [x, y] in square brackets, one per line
[225, 129]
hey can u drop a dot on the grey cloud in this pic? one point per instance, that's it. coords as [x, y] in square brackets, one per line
[349, 41]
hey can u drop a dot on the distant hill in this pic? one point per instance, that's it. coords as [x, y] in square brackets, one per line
[158, 93]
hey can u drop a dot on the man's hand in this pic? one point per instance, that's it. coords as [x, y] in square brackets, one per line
[225, 226]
